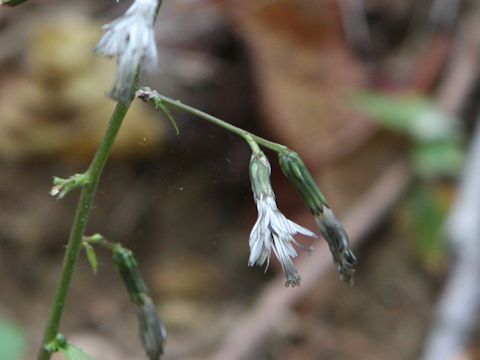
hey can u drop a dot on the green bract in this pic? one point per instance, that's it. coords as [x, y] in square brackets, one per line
[296, 171]
[128, 268]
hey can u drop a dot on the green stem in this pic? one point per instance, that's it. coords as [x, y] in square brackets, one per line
[148, 94]
[253, 145]
[98, 239]
[82, 214]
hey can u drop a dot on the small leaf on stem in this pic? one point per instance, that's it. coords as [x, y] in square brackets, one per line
[159, 105]
[62, 187]
[91, 256]
[74, 353]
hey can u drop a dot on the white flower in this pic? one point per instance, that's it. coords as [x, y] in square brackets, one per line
[131, 39]
[272, 231]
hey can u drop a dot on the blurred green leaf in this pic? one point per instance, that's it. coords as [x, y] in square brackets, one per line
[423, 213]
[395, 113]
[12, 342]
[60, 344]
[74, 353]
[438, 159]
[437, 137]
[412, 115]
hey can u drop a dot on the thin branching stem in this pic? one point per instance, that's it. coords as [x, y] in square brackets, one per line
[148, 94]
[98, 239]
[80, 221]
[82, 215]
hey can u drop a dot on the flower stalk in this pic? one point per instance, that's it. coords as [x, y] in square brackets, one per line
[130, 39]
[151, 329]
[126, 39]
[80, 221]
[147, 94]
[270, 224]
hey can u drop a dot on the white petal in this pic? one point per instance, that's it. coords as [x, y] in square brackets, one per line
[131, 39]
[273, 231]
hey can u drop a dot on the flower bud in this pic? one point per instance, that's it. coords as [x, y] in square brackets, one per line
[11, 2]
[128, 269]
[152, 331]
[260, 170]
[296, 171]
[330, 228]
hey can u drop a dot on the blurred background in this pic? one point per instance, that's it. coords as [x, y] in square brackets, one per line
[378, 97]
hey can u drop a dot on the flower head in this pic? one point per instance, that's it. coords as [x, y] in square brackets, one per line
[330, 228]
[131, 39]
[272, 231]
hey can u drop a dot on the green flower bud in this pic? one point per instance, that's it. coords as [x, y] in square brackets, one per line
[330, 228]
[152, 331]
[296, 171]
[128, 269]
[260, 170]
[11, 2]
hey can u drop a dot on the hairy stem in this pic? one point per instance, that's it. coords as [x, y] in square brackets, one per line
[82, 214]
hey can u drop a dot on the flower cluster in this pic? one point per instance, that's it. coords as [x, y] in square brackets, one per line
[274, 232]
[131, 40]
